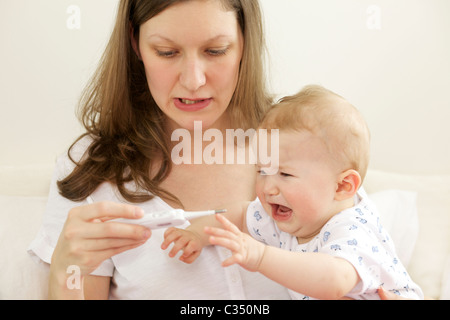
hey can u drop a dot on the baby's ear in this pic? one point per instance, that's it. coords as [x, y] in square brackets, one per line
[348, 183]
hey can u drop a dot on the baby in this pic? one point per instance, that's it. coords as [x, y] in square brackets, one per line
[312, 227]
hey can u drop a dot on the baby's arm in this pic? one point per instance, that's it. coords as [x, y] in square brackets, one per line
[192, 239]
[313, 274]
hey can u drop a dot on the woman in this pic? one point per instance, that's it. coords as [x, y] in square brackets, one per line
[167, 65]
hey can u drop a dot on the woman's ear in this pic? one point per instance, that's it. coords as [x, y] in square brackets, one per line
[348, 183]
[134, 43]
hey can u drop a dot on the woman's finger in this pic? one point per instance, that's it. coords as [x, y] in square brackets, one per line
[104, 211]
[108, 230]
[93, 245]
[86, 241]
[102, 255]
[388, 295]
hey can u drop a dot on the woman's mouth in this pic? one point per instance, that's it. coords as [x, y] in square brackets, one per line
[185, 104]
[186, 101]
[280, 212]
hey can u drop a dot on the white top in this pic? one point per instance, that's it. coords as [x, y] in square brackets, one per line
[354, 234]
[147, 272]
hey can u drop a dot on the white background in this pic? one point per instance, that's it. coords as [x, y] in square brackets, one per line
[390, 58]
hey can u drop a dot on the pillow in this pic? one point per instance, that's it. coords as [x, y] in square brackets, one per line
[20, 276]
[445, 291]
[433, 243]
[398, 214]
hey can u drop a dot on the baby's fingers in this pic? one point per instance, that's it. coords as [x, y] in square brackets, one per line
[227, 224]
[178, 245]
[173, 235]
[222, 238]
[228, 243]
[191, 248]
[234, 259]
[219, 232]
[170, 236]
[190, 257]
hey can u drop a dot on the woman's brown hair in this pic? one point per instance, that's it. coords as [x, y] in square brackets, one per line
[125, 124]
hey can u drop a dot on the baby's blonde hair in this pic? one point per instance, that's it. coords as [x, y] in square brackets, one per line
[329, 116]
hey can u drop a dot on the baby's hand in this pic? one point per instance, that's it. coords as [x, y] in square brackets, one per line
[246, 251]
[185, 240]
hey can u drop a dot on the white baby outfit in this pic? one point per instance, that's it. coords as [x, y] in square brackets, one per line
[355, 235]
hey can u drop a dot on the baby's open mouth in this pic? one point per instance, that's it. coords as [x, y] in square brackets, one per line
[280, 212]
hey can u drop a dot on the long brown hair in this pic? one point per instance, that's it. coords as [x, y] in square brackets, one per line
[126, 125]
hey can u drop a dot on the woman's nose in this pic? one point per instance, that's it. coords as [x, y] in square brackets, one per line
[193, 75]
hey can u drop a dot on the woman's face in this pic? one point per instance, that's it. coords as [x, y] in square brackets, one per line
[191, 53]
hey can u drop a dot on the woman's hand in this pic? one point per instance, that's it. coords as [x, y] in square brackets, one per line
[388, 295]
[87, 239]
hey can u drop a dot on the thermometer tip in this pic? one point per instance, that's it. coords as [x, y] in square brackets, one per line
[220, 211]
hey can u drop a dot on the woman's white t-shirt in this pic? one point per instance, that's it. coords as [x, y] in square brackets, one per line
[147, 272]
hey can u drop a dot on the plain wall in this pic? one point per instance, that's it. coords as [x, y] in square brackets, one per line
[390, 58]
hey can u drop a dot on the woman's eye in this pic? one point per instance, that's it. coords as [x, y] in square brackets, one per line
[167, 54]
[217, 52]
[173, 53]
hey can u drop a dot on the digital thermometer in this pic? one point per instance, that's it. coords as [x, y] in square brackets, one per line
[166, 219]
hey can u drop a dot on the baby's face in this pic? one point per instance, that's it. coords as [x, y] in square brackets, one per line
[300, 196]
